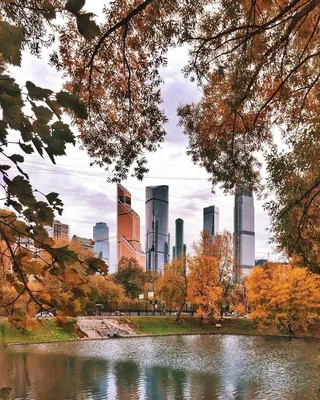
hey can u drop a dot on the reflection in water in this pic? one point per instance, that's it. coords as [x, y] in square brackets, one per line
[190, 367]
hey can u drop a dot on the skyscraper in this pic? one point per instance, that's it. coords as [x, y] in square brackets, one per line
[180, 247]
[244, 248]
[157, 223]
[211, 220]
[101, 241]
[128, 223]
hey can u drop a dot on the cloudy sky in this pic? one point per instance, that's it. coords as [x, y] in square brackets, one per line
[88, 198]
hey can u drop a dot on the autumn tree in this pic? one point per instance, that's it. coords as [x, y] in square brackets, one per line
[204, 289]
[106, 290]
[256, 64]
[172, 286]
[46, 275]
[221, 248]
[286, 295]
[131, 276]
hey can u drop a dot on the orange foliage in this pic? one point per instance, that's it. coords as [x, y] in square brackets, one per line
[204, 289]
[283, 294]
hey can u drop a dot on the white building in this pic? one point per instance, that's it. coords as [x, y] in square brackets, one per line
[244, 247]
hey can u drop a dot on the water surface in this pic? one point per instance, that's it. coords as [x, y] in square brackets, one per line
[175, 367]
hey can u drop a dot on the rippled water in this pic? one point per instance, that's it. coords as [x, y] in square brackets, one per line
[175, 367]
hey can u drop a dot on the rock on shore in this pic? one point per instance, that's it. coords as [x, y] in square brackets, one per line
[103, 327]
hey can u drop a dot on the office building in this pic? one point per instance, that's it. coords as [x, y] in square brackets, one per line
[260, 262]
[157, 224]
[179, 248]
[211, 220]
[244, 248]
[128, 227]
[58, 230]
[101, 241]
[86, 244]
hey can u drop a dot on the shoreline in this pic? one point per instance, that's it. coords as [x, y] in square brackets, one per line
[100, 328]
[142, 335]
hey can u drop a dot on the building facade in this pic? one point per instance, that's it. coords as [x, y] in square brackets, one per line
[128, 228]
[211, 220]
[58, 230]
[86, 243]
[244, 247]
[179, 248]
[101, 241]
[157, 228]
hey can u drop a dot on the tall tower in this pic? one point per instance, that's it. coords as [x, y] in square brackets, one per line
[211, 220]
[157, 223]
[101, 241]
[180, 247]
[244, 248]
[128, 224]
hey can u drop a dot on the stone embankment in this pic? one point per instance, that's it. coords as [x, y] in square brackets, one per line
[101, 327]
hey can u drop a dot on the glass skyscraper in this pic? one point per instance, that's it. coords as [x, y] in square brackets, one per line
[211, 220]
[179, 248]
[101, 241]
[244, 249]
[157, 224]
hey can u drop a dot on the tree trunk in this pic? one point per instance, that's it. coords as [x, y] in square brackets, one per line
[180, 311]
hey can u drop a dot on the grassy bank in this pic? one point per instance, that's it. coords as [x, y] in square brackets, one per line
[47, 332]
[188, 325]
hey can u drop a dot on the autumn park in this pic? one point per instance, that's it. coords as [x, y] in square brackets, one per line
[219, 99]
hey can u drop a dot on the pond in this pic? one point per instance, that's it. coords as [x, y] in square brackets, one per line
[172, 367]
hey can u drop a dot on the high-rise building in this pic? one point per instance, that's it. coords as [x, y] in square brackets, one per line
[211, 220]
[157, 224]
[128, 224]
[179, 248]
[101, 241]
[58, 230]
[244, 248]
[86, 243]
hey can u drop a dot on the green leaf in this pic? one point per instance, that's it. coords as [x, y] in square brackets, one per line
[65, 256]
[3, 131]
[36, 92]
[10, 43]
[4, 167]
[17, 206]
[75, 5]
[53, 199]
[16, 158]
[21, 188]
[11, 101]
[87, 27]
[43, 114]
[61, 134]
[72, 103]
[55, 107]
[26, 130]
[38, 145]
[27, 148]
[97, 265]
[44, 212]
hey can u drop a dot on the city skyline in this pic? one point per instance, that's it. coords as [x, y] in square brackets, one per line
[89, 198]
